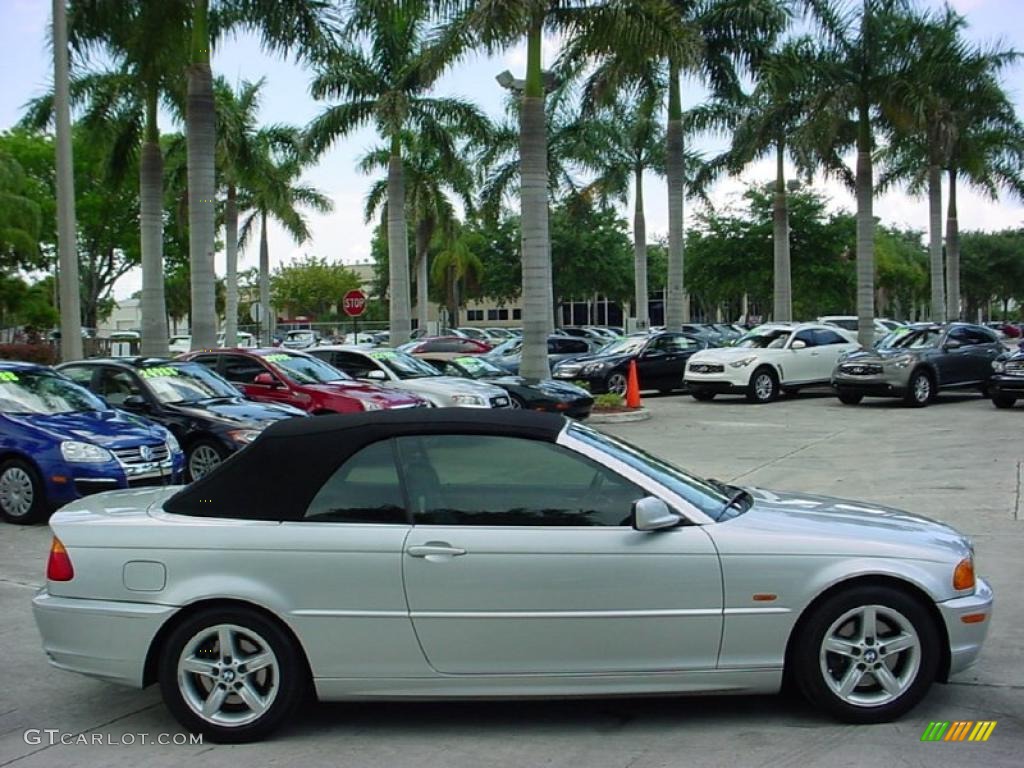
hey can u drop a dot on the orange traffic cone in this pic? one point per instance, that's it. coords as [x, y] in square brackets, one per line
[632, 387]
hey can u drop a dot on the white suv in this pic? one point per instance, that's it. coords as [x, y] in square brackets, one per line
[772, 358]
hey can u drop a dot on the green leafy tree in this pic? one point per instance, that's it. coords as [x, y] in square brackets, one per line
[20, 217]
[312, 286]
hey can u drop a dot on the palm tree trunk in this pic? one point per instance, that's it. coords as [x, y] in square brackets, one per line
[201, 139]
[865, 233]
[153, 304]
[639, 253]
[67, 249]
[538, 298]
[938, 308]
[398, 249]
[422, 276]
[676, 311]
[952, 253]
[265, 279]
[231, 281]
[783, 286]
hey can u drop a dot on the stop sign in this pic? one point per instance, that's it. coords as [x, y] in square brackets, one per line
[354, 303]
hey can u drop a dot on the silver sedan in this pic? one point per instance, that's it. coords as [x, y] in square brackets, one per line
[496, 554]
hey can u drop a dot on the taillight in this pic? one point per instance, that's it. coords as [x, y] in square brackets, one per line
[58, 567]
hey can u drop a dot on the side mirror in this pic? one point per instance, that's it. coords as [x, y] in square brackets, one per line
[952, 344]
[798, 344]
[134, 403]
[652, 514]
[377, 375]
[266, 380]
[653, 354]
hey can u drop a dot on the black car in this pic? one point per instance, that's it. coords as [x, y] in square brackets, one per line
[547, 395]
[1006, 386]
[209, 417]
[660, 363]
[509, 354]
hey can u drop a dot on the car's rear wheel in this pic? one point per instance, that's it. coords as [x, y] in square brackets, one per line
[867, 655]
[1003, 401]
[202, 458]
[702, 395]
[849, 398]
[22, 500]
[231, 675]
[764, 386]
[616, 383]
[920, 391]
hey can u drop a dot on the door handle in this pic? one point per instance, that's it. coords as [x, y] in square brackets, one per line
[434, 548]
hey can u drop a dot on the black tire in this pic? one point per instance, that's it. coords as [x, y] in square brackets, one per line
[1003, 401]
[920, 389]
[18, 478]
[702, 395]
[287, 687]
[910, 671]
[617, 383]
[515, 401]
[764, 386]
[849, 398]
[202, 452]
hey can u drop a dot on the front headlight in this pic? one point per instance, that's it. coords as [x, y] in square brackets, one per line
[901, 362]
[743, 362]
[468, 400]
[172, 444]
[593, 368]
[370, 405]
[244, 436]
[84, 453]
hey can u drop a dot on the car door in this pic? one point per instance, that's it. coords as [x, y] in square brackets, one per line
[829, 346]
[662, 363]
[242, 370]
[982, 352]
[802, 365]
[539, 571]
[955, 360]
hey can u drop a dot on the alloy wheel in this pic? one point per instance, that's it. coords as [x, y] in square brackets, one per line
[764, 387]
[870, 656]
[202, 461]
[228, 675]
[922, 389]
[17, 494]
[617, 384]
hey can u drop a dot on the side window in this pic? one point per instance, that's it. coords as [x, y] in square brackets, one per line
[823, 338]
[673, 343]
[963, 335]
[806, 336]
[464, 480]
[80, 375]
[980, 336]
[356, 366]
[208, 361]
[241, 370]
[117, 386]
[365, 489]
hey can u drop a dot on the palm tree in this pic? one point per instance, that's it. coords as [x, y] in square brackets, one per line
[70, 302]
[456, 266]
[856, 85]
[386, 84]
[433, 175]
[620, 144]
[20, 216]
[274, 191]
[768, 120]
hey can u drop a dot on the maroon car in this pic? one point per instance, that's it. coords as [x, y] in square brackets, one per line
[275, 375]
[447, 344]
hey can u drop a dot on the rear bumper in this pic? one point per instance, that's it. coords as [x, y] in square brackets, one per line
[966, 639]
[104, 639]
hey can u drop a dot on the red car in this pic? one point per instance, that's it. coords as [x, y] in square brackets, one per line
[275, 375]
[447, 344]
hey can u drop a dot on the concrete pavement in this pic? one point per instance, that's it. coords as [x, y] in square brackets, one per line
[959, 460]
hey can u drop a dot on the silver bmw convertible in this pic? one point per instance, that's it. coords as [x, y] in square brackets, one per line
[455, 553]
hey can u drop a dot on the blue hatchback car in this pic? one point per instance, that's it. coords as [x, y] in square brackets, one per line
[59, 442]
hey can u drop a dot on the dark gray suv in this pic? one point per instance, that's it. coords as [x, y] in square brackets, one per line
[916, 361]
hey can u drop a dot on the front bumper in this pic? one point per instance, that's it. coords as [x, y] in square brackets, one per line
[966, 639]
[892, 383]
[1012, 386]
[65, 482]
[727, 381]
[104, 639]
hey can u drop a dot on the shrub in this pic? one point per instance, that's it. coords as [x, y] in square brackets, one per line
[43, 354]
[609, 400]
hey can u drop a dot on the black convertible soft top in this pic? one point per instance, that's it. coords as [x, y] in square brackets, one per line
[277, 476]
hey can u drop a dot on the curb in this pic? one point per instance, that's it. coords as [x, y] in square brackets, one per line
[622, 417]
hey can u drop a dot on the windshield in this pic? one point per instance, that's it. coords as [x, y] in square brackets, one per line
[628, 346]
[305, 370]
[774, 338]
[910, 338]
[510, 347]
[185, 383]
[709, 497]
[404, 366]
[44, 393]
[476, 368]
[846, 323]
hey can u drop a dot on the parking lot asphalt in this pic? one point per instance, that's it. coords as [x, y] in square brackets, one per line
[959, 460]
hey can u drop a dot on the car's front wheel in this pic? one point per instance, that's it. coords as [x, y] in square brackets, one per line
[22, 500]
[764, 386]
[1003, 401]
[849, 398]
[921, 390]
[866, 655]
[231, 675]
[616, 383]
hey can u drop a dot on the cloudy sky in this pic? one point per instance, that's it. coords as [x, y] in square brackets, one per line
[342, 235]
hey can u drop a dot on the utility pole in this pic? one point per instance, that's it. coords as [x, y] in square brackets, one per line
[67, 251]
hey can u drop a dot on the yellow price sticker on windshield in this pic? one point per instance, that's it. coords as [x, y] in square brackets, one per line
[8, 376]
[277, 358]
[158, 373]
